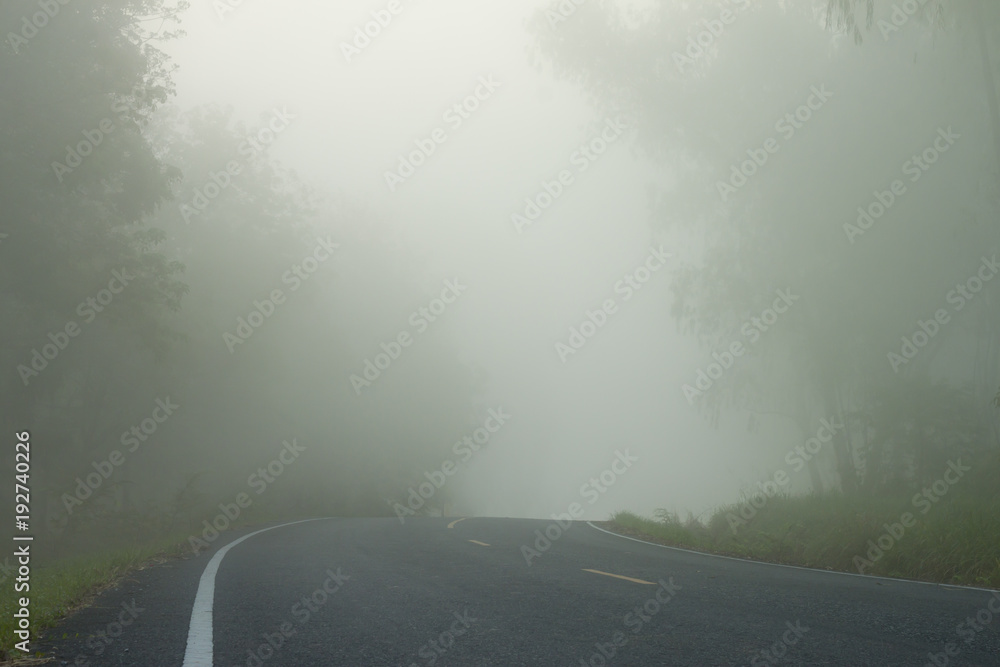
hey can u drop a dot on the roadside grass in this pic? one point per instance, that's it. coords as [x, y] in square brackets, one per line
[61, 587]
[957, 540]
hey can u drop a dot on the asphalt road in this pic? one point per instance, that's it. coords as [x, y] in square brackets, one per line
[434, 591]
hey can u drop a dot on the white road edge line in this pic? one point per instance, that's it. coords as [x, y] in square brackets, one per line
[199, 640]
[794, 567]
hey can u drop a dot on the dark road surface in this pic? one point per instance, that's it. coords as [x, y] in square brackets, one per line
[437, 591]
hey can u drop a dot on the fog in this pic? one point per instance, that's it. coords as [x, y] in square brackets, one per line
[356, 118]
[594, 325]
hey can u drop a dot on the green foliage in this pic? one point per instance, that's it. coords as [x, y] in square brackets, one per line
[956, 541]
[60, 588]
[789, 223]
[70, 226]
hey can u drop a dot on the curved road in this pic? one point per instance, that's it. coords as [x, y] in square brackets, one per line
[434, 591]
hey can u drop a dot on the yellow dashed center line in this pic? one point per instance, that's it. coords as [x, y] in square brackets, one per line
[452, 524]
[480, 543]
[618, 576]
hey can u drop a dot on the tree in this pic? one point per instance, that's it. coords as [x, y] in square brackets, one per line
[785, 218]
[972, 18]
[78, 178]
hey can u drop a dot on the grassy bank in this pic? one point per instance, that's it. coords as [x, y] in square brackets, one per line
[62, 586]
[956, 541]
[59, 588]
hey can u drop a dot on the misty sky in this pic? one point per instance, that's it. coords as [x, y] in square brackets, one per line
[353, 120]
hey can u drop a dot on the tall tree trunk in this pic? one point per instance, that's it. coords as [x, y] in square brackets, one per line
[803, 420]
[842, 446]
